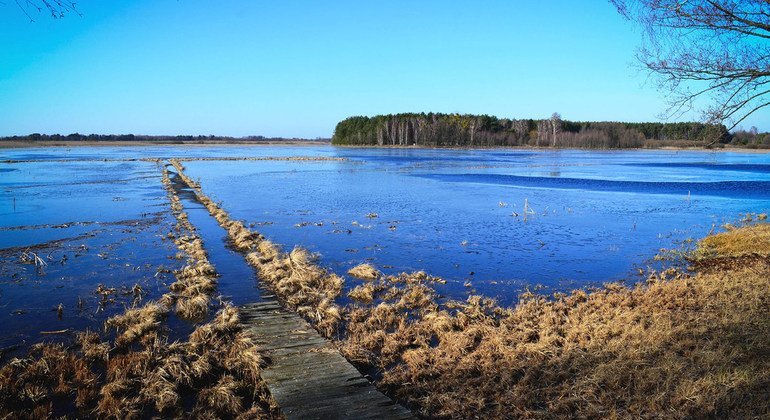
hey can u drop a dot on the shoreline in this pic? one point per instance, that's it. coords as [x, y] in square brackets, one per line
[13, 144]
[289, 143]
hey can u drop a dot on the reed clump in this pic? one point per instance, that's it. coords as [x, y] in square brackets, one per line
[680, 346]
[138, 373]
[136, 323]
[296, 277]
[364, 272]
[305, 287]
[749, 240]
[216, 373]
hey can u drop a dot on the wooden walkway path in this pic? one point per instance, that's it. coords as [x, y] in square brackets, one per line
[308, 376]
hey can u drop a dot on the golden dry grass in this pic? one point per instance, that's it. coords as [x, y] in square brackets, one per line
[364, 272]
[749, 240]
[217, 369]
[295, 277]
[678, 347]
[135, 323]
[139, 374]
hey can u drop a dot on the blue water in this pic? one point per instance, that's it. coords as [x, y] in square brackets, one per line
[594, 216]
[92, 223]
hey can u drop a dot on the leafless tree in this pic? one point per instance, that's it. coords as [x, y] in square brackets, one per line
[56, 8]
[555, 126]
[715, 50]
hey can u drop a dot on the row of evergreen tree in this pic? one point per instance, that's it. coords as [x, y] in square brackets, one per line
[464, 130]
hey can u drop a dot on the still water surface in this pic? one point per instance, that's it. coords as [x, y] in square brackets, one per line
[590, 216]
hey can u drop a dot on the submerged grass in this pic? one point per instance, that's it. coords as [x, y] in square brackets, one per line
[138, 373]
[679, 346]
[295, 277]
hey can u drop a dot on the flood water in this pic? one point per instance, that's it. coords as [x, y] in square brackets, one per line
[590, 217]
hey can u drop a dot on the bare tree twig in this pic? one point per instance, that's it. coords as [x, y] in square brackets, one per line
[715, 50]
[56, 8]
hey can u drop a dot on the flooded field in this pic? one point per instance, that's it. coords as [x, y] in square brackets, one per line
[590, 217]
[83, 231]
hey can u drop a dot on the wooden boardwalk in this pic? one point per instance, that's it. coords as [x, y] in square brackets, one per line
[308, 376]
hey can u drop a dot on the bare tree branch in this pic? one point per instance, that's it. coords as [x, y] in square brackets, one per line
[717, 50]
[56, 8]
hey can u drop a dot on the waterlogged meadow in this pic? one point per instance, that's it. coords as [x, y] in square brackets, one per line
[150, 248]
[78, 242]
[495, 221]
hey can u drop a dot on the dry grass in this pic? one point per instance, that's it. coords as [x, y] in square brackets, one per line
[217, 369]
[364, 272]
[679, 347]
[139, 374]
[295, 277]
[365, 292]
[749, 240]
[135, 323]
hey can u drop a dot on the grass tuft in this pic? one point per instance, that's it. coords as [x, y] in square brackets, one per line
[364, 272]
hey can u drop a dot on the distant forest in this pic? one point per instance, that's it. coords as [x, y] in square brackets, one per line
[150, 139]
[456, 130]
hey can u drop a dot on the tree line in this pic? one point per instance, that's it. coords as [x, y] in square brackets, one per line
[35, 137]
[465, 130]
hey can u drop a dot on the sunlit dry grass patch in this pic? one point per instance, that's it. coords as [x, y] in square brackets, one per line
[749, 240]
[678, 346]
[364, 272]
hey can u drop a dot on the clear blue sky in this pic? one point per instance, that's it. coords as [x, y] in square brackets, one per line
[295, 68]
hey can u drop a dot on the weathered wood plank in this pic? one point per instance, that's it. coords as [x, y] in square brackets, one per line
[308, 376]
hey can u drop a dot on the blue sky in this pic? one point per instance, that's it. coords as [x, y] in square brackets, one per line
[295, 68]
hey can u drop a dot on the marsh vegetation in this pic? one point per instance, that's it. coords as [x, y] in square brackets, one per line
[665, 345]
[685, 341]
[132, 369]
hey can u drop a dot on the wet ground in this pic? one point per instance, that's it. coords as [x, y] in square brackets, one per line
[495, 221]
[590, 217]
[78, 242]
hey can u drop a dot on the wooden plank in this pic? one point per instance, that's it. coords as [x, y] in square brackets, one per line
[308, 376]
